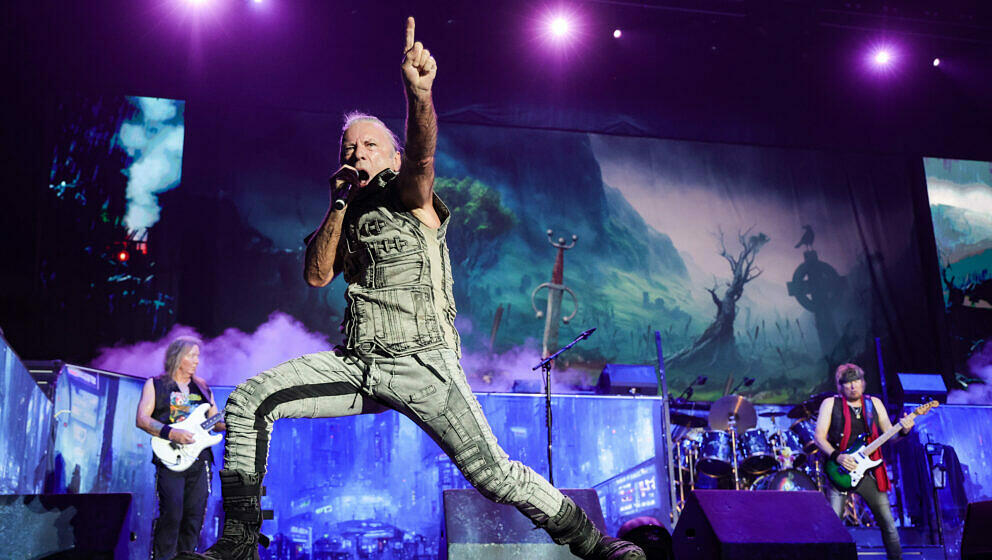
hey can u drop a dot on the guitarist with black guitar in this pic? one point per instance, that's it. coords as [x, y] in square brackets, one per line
[167, 401]
[842, 420]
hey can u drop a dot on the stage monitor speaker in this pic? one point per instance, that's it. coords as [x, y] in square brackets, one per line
[976, 540]
[65, 526]
[762, 525]
[623, 379]
[922, 387]
[475, 528]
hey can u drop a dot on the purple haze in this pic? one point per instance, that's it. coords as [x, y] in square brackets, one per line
[229, 359]
[235, 356]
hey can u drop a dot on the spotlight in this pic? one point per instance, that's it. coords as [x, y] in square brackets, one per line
[123, 256]
[882, 57]
[936, 62]
[559, 26]
[617, 33]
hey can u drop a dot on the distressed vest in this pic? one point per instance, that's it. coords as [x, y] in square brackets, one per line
[391, 305]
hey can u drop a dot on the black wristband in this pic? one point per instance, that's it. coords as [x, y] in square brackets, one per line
[164, 432]
[834, 455]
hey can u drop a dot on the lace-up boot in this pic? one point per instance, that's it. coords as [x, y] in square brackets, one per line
[572, 526]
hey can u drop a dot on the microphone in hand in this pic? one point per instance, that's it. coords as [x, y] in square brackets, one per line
[342, 182]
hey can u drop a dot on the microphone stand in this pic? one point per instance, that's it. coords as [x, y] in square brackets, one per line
[545, 365]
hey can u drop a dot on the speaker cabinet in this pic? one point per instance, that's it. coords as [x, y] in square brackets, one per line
[976, 541]
[760, 525]
[65, 526]
[478, 529]
[623, 379]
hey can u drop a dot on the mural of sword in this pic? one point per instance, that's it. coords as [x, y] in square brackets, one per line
[556, 290]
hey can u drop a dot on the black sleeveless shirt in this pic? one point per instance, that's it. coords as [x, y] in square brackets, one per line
[858, 426]
[172, 405]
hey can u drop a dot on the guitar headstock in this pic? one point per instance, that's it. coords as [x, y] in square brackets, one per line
[925, 408]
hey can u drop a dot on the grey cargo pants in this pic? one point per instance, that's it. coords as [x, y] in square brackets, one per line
[429, 388]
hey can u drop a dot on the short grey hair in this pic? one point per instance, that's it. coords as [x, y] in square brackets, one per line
[358, 116]
[176, 350]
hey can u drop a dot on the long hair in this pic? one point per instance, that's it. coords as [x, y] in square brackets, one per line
[176, 350]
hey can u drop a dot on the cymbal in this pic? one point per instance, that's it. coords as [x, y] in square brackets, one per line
[732, 407]
[810, 406]
[771, 414]
[688, 420]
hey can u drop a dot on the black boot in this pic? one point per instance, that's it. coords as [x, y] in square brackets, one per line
[572, 526]
[242, 520]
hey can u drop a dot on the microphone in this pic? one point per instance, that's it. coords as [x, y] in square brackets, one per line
[585, 334]
[348, 182]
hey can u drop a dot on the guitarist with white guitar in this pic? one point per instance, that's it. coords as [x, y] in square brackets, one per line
[172, 409]
[842, 419]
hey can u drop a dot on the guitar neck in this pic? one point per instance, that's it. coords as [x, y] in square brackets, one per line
[873, 446]
[209, 422]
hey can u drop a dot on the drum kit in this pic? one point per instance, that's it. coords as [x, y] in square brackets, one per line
[726, 449]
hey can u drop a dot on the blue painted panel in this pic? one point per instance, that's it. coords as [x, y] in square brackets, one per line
[25, 427]
[374, 482]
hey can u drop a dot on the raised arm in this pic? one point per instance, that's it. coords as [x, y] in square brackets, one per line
[417, 171]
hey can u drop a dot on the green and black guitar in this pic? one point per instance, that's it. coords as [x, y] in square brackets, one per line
[844, 479]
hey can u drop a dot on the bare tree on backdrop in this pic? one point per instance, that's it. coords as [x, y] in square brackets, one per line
[717, 345]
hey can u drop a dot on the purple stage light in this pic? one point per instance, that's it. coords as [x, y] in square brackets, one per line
[617, 33]
[936, 62]
[882, 57]
[559, 26]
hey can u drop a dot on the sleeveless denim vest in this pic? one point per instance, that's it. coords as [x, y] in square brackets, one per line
[391, 307]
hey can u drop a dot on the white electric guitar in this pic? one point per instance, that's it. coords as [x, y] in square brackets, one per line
[178, 456]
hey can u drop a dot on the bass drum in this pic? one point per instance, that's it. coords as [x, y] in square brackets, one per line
[789, 480]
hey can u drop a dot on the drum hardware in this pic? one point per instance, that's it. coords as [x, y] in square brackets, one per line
[732, 413]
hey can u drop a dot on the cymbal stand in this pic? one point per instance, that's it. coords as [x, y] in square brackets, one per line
[813, 466]
[733, 450]
[678, 458]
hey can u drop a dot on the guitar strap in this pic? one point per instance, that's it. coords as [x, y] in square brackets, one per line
[881, 476]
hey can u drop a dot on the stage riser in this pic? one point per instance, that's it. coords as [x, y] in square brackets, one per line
[475, 528]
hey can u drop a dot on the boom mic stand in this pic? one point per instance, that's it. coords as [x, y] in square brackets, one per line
[545, 365]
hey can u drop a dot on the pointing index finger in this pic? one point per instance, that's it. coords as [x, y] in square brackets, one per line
[410, 25]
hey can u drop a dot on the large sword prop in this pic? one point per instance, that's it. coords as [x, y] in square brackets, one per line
[556, 290]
